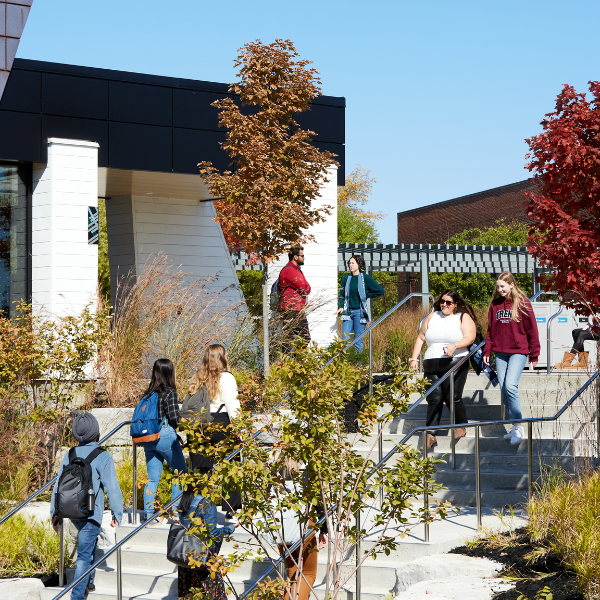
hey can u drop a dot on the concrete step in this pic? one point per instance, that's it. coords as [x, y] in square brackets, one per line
[490, 445]
[489, 499]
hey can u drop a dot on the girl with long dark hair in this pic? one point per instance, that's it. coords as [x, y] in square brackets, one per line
[448, 332]
[168, 447]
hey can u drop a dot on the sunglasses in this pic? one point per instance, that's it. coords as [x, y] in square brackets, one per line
[446, 302]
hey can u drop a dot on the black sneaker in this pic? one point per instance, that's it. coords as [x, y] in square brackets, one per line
[90, 587]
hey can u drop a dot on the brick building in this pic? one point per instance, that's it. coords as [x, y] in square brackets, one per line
[436, 223]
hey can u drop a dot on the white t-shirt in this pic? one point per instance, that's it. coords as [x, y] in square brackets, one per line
[226, 395]
[442, 331]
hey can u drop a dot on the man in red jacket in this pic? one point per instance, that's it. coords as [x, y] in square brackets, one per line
[293, 290]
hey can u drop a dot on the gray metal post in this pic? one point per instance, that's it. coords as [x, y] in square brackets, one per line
[530, 459]
[358, 557]
[425, 486]
[598, 416]
[134, 503]
[119, 575]
[478, 476]
[452, 422]
[61, 556]
[328, 565]
[265, 298]
[424, 257]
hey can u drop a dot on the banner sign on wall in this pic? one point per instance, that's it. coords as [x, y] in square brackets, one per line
[93, 225]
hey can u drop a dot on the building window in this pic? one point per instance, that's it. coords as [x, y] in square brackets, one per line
[14, 237]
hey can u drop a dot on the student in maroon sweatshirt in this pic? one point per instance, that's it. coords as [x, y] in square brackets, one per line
[513, 335]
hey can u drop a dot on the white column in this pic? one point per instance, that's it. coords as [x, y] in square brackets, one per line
[320, 267]
[64, 276]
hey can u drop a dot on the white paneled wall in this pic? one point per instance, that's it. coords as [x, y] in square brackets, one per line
[186, 232]
[64, 274]
[320, 267]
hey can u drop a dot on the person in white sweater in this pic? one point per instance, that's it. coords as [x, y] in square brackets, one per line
[222, 389]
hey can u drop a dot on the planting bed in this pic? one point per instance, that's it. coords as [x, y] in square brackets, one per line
[530, 575]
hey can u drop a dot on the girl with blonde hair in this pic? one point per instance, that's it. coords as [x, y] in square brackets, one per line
[513, 335]
[224, 406]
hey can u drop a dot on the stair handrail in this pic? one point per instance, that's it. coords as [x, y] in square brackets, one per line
[47, 485]
[450, 373]
[424, 429]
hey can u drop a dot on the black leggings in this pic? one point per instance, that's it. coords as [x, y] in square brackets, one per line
[580, 336]
[435, 369]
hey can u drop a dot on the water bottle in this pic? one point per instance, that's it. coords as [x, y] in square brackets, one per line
[91, 500]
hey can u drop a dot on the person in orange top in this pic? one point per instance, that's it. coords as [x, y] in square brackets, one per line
[294, 290]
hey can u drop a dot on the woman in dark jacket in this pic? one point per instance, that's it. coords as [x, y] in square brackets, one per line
[199, 507]
[355, 289]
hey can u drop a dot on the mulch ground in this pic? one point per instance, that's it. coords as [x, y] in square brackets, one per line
[533, 576]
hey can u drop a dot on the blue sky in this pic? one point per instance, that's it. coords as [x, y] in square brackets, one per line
[440, 95]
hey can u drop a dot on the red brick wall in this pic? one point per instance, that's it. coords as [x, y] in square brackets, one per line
[436, 223]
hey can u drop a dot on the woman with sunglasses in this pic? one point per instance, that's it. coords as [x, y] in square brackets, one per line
[448, 332]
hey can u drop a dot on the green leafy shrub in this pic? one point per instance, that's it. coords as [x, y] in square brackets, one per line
[29, 547]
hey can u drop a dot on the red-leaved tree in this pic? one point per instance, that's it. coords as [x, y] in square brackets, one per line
[565, 234]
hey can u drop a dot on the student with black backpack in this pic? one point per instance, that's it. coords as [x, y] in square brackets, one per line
[86, 472]
[154, 426]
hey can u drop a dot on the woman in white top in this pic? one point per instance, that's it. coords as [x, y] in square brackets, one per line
[224, 406]
[448, 332]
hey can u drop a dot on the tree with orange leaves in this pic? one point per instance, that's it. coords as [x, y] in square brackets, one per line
[267, 197]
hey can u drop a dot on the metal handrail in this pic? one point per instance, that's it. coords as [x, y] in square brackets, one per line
[450, 373]
[424, 429]
[538, 294]
[548, 340]
[47, 485]
[372, 326]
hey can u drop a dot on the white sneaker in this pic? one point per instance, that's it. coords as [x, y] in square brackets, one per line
[517, 435]
[509, 435]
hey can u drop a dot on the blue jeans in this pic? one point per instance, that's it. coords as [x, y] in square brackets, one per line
[509, 368]
[354, 326]
[87, 537]
[167, 448]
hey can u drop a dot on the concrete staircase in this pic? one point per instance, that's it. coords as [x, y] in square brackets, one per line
[565, 443]
[147, 575]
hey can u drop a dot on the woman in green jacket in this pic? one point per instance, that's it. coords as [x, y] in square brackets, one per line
[355, 289]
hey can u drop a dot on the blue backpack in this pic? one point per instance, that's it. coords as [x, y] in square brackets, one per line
[145, 426]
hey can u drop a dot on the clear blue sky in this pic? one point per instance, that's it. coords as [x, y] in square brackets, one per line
[440, 95]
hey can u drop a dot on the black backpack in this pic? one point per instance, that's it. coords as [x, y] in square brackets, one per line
[197, 407]
[75, 498]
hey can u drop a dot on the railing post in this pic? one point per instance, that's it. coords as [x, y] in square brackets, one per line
[425, 487]
[452, 422]
[61, 555]
[478, 476]
[328, 566]
[358, 557]
[119, 575]
[134, 504]
[530, 460]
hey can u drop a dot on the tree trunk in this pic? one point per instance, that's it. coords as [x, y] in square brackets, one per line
[265, 290]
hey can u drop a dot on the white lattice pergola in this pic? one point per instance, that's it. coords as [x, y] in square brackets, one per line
[428, 258]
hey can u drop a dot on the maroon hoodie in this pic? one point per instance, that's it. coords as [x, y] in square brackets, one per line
[509, 337]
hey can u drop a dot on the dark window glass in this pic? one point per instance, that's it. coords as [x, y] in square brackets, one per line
[14, 275]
